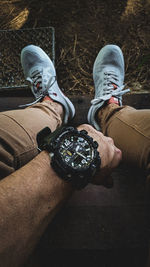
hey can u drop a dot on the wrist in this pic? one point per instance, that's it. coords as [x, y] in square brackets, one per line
[50, 176]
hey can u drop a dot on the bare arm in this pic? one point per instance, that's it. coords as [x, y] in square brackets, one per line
[31, 196]
[29, 199]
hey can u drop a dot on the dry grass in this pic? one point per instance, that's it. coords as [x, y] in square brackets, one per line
[19, 20]
[82, 28]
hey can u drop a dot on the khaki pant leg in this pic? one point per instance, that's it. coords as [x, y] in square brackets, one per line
[130, 129]
[18, 130]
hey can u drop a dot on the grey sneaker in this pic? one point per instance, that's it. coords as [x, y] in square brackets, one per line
[108, 75]
[40, 72]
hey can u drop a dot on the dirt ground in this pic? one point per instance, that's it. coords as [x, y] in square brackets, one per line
[82, 28]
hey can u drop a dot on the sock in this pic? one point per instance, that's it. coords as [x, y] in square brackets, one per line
[113, 100]
[47, 98]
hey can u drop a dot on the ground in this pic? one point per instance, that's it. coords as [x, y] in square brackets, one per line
[82, 28]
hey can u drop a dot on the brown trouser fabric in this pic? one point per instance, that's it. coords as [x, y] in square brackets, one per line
[18, 130]
[130, 129]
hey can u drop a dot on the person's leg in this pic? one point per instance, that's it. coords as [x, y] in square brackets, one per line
[129, 128]
[18, 129]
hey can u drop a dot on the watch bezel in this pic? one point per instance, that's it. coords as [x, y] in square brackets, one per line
[66, 171]
[50, 141]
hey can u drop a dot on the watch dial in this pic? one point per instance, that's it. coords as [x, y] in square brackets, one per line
[76, 151]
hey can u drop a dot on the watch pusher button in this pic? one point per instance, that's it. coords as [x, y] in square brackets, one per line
[70, 128]
[83, 132]
[90, 138]
[92, 166]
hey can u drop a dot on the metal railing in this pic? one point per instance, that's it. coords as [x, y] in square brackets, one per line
[11, 44]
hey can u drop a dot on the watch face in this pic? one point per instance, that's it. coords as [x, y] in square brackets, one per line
[76, 151]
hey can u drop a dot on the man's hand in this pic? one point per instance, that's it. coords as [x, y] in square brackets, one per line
[109, 153]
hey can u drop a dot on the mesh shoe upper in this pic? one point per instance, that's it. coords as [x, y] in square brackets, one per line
[40, 72]
[108, 75]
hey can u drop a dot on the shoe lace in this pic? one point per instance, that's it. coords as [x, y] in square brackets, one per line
[41, 85]
[110, 82]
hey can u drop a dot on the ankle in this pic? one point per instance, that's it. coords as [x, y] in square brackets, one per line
[47, 98]
[113, 100]
[58, 106]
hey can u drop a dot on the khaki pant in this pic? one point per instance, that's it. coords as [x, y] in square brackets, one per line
[18, 130]
[130, 129]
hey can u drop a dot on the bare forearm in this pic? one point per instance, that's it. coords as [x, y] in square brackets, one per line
[29, 199]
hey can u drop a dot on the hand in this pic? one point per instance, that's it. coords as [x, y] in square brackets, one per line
[109, 153]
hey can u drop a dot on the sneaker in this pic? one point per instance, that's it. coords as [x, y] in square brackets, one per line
[108, 76]
[40, 72]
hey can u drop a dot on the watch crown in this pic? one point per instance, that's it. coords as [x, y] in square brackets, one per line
[95, 144]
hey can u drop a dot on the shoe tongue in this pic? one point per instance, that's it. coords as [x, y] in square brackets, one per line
[115, 86]
[38, 85]
[36, 76]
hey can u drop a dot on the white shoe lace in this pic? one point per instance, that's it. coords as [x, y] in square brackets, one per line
[108, 90]
[41, 83]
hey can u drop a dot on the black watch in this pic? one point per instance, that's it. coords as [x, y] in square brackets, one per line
[74, 155]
